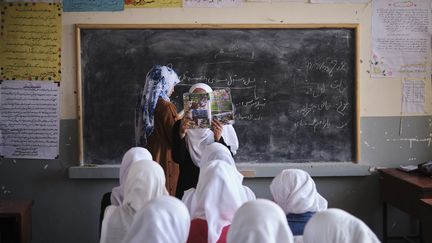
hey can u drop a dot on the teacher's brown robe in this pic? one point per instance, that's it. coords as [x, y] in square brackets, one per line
[160, 142]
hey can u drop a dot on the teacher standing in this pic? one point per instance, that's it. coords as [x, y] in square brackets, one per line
[154, 118]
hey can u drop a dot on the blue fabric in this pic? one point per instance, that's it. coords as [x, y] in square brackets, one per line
[159, 81]
[297, 222]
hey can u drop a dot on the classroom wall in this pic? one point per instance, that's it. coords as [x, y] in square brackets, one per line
[67, 210]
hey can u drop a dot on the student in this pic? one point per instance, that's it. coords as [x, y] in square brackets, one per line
[154, 118]
[337, 226]
[132, 155]
[164, 219]
[295, 192]
[260, 221]
[216, 151]
[218, 195]
[116, 196]
[145, 181]
[188, 144]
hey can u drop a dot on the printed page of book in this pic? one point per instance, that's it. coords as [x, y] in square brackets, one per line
[222, 106]
[198, 105]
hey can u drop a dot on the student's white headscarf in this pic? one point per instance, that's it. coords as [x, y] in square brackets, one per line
[218, 195]
[197, 139]
[216, 151]
[132, 155]
[295, 192]
[337, 226]
[159, 82]
[164, 219]
[260, 221]
[145, 181]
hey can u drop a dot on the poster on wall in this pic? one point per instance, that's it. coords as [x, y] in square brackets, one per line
[413, 96]
[92, 5]
[29, 119]
[283, 1]
[32, 1]
[211, 3]
[153, 4]
[400, 38]
[30, 41]
[340, 1]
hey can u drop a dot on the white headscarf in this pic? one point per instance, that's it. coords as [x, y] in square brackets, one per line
[260, 221]
[159, 82]
[337, 226]
[145, 181]
[132, 155]
[197, 139]
[216, 151]
[218, 195]
[164, 219]
[295, 192]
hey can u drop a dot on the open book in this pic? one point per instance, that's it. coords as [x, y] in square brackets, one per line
[206, 107]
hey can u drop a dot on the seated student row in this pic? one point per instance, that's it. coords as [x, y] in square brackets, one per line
[221, 209]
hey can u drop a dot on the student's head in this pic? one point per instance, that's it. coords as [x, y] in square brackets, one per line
[295, 192]
[164, 219]
[216, 151]
[219, 193]
[145, 181]
[132, 155]
[259, 221]
[200, 88]
[338, 226]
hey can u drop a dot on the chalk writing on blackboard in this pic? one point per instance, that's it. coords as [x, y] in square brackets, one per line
[293, 89]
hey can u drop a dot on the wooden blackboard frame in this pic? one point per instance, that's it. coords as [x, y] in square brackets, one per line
[80, 97]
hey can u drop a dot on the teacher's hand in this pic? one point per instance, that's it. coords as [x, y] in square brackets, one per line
[217, 128]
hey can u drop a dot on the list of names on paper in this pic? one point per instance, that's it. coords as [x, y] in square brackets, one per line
[30, 41]
[413, 96]
[29, 119]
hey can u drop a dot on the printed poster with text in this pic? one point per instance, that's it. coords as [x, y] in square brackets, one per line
[92, 5]
[153, 3]
[29, 119]
[400, 38]
[211, 3]
[30, 41]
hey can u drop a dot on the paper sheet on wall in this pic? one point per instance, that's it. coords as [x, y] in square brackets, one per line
[153, 3]
[283, 1]
[400, 38]
[340, 1]
[32, 1]
[29, 119]
[92, 5]
[211, 3]
[413, 96]
[30, 41]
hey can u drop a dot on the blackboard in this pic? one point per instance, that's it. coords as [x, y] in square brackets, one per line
[294, 88]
